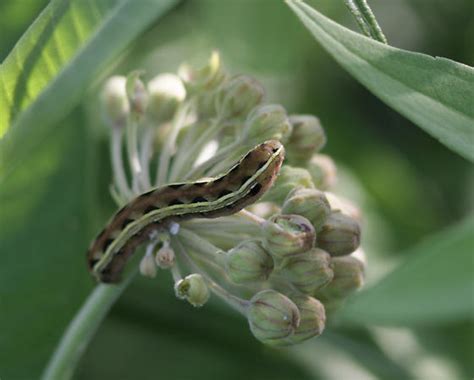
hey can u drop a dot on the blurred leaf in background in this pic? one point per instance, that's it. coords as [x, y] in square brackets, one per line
[53, 202]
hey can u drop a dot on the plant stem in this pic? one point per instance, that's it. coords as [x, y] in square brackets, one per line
[82, 328]
[133, 158]
[185, 164]
[145, 155]
[203, 246]
[170, 145]
[366, 20]
[237, 303]
[117, 163]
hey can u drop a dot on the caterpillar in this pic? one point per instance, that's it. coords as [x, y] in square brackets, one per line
[153, 210]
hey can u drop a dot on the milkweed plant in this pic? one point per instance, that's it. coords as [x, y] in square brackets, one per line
[287, 262]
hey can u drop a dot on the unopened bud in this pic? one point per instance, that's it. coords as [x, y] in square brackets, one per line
[344, 205]
[309, 271]
[267, 122]
[147, 266]
[312, 319]
[166, 91]
[248, 262]
[115, 103]
[339, 235]
[288, 179]
[165, 257]
[137, 94]
[238, 96]
[287, 235]
[310, 203]
[348, 277]
[323, 171]
[204, 78]
[307, 137]
[194, 289]
[272, 317]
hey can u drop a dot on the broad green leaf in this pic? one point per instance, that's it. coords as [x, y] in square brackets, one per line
[434, 285]
[49, 69]
[435, 93]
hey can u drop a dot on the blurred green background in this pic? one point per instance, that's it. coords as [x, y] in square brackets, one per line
[408, 185]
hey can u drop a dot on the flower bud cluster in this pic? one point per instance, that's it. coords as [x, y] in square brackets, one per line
[287, 261]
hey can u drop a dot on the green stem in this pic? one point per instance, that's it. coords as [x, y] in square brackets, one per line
[133, 158]
[189, 158]
[366, 20]
[170, 145]
[218, 157]
[237, 303]
[201, 245]
[120, 178]
[82, 328]
[358, 17]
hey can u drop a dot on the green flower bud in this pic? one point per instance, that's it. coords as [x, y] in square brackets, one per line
[238, 96]
[312, 319]
[165, 257]
[248, 262]
[267, 122]
[323, 171]
[344, 205]
[287, 235]
[272, 317]
[348, 277]
[115, 102]
[310, 203]
[339, 235]
[166, 92]
[194, 289]
[137, 94]
[309, 271]
[306, 138]
[147, 266]
[205, 78]
[288, 179]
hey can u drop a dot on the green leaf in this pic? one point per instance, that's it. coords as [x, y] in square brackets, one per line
[55, 61]
[436, 94]
[434, 285]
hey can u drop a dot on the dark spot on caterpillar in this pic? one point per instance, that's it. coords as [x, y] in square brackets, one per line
[246, 157]
[218, 180]
[274, 149]
[176, 185]
[234, 170]
[144, 195]
[92, 262]
[261, 165]
[150, 209]
[107, 243]
[224, 192]
[121, 211]
[256, 189]
[245, 179]
[200, 184]
[126, 222]
[175, 202]
[199, 199]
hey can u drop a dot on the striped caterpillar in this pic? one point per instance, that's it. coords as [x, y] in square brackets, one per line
[224, 195]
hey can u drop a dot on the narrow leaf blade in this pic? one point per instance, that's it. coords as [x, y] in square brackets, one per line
[436, 94]
[50, 68]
